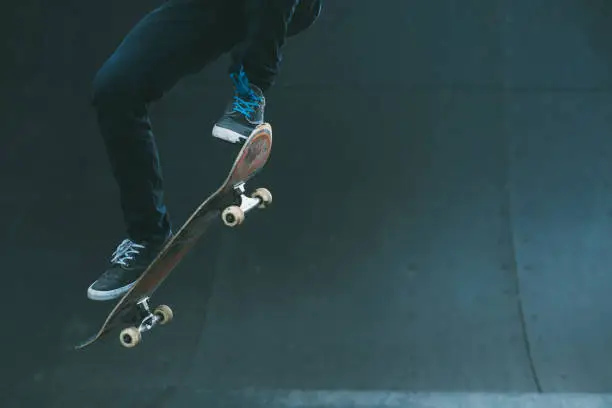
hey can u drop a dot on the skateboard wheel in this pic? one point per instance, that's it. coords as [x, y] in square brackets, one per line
[130, 337]
[233, 216]
[164, 313]
[264, 195]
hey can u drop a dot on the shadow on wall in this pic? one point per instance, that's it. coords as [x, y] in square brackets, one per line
[597, 21]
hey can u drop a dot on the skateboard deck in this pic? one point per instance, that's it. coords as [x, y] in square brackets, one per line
[229, 203]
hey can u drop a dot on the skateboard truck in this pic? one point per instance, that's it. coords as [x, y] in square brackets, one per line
[131, 336]
[234, 215]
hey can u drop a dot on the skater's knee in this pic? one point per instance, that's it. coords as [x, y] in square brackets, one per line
[114, 87]
[103, 87]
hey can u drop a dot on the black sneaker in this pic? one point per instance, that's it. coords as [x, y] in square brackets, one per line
[128, 262]
[243, 114]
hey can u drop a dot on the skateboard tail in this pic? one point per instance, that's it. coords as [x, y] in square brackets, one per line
[254, 158]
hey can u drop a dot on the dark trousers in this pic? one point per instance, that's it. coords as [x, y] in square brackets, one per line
[177, 39]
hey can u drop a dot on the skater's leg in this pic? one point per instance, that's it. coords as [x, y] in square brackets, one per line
[261, 55]
[174, 40]
[256, 60]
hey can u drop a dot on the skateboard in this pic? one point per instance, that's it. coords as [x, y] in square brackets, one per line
[229, 203]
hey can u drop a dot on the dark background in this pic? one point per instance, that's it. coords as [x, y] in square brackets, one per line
[442, 217]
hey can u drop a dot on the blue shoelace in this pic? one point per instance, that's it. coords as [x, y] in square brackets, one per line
[245, 99]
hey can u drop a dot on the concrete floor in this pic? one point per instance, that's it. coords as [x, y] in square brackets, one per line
[441, 233]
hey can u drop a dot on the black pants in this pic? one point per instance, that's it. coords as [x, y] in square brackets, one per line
[177, 39]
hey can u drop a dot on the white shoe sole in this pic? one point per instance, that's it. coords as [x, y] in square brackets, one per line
[107, 294]
[227, 135]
